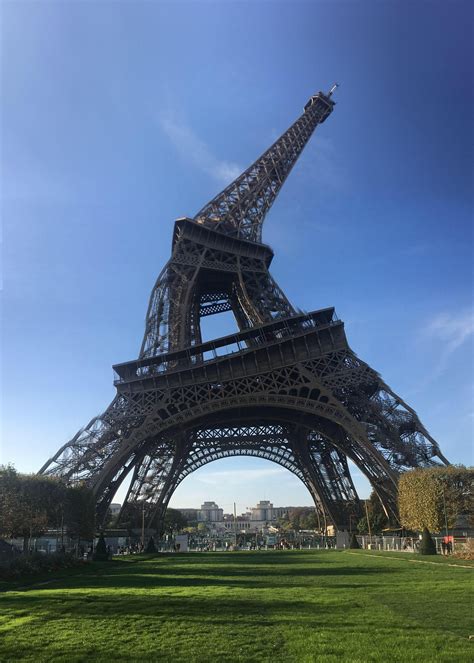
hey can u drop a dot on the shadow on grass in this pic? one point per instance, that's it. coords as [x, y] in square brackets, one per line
[230, 611]
[208, 609]
[251, 558]
[141, 576]
[193, 569]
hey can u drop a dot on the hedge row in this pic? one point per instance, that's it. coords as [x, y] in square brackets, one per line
[26, 565]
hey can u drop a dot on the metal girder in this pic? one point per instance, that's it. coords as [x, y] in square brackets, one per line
[285, 387]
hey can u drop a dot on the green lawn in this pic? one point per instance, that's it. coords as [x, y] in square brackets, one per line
[247, 606]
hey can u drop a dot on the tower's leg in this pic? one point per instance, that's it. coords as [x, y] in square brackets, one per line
[155, 479]
[327, 475]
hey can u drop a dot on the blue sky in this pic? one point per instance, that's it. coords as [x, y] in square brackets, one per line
[120, 117]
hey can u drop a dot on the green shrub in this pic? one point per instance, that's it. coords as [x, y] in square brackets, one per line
[150, 548]
[428, 546]
[354, 544]
[27, 565]
[100, 552]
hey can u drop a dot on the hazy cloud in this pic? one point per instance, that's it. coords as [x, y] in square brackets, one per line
[452, 329]
[197, 152]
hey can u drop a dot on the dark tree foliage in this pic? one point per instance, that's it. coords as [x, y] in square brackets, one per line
[32, 503]
[29, 503]
[428, 546]
[100, 552]
[150, 548]
[436, 496]
[174, 521]
[354, 544]
[377, 517]
[132, 516]
[79, 512]
[300, 518]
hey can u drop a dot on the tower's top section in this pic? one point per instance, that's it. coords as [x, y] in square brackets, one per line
[240, 209]
[324, 101]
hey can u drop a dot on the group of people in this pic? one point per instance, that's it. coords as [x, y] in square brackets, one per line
[132, 549]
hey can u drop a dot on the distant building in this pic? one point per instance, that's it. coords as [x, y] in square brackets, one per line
[259, 517]
[266, 512]
[210, 513]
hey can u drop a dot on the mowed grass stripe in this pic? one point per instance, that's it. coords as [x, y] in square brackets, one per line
[253, 606]
[415, 557]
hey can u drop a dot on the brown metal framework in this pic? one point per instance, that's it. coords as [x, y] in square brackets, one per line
[286, 387]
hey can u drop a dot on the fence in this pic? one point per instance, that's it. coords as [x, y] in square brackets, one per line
[408, 543]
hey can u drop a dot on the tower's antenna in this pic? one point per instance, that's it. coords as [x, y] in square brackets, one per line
[333, 89]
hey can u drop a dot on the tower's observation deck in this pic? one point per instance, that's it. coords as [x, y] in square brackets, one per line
[282, 342]
[321, 103]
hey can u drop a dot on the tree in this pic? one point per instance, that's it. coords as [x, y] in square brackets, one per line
[33, 503]
[377, 517]
[435, 497]
[428, 546]
[284, 523]
[304, 517]
[354, 544]
[132, 516]
[79, 512]
[309, 520]
[29, 503]
[174, 521]
[10, 500]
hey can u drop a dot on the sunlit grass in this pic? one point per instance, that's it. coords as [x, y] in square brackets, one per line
[255, 606]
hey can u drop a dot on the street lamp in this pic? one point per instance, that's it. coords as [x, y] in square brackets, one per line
[143, 525]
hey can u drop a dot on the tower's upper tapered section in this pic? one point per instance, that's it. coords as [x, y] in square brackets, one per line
[240, 209]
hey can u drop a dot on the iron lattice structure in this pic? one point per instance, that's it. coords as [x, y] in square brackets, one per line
[285, 387]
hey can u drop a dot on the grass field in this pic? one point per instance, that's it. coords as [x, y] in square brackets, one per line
[247, 606]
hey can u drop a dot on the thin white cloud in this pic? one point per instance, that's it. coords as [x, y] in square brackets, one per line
[452, 329]
[237, 477]
[415, 250]
[197, 152]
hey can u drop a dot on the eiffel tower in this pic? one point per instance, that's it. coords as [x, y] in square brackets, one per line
[286, 387]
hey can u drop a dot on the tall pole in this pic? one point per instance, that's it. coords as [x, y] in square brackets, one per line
[235, 525]
[62, 530]
[368, 521]
[325, 527]
[445, 514]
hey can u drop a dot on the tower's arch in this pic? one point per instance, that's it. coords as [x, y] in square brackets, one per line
[313, 447]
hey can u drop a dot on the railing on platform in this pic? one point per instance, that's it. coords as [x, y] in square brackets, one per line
[264, 335]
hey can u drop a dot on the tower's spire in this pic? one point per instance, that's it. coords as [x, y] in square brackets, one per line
[239, 210]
